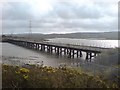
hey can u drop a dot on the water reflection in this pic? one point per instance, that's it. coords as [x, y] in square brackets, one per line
[87, 42]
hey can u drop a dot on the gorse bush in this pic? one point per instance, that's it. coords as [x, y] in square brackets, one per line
[49, 77]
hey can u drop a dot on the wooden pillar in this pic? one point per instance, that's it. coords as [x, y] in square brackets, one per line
[32, 45]
[60, 51]
[48, 48]
[41, 47]
[95, 54]
[38, 46]
[77, 53]
[44, 48]
[87, 55]
[90, 56]
[57, 50]
[80, 53]
[35, 46]
[69, 53]
[73, 52]
[51, 49]
[64, 51]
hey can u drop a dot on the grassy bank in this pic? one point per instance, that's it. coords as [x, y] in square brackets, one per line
[48, 77]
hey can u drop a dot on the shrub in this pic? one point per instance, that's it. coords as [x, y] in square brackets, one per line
[49, 77]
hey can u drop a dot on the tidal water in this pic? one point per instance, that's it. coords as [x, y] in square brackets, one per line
[87, 42]
[16, 55]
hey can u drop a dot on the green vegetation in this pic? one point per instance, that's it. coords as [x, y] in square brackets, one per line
[109, 58]
[49, 77]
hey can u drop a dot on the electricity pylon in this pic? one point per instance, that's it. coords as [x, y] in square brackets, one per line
[30, 28]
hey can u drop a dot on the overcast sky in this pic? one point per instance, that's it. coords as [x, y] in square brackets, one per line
[59, 16]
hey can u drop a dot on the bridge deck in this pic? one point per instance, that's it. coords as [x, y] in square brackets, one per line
[75, 47]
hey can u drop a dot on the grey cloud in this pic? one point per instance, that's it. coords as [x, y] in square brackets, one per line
[70, 10]
[15, 24]
[75, 23]
[16, 11]
[65, 17]
[91, 24]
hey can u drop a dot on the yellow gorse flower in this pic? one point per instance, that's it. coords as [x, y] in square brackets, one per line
[17, 72]
[24, 70]
[25, 76]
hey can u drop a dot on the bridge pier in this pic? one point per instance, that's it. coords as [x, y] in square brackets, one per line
[77, 53]
[81, 54]
[42, 47]
[64, 51]
[57, 50]
[47, 48]
[89, 55]
[60, 51]
[37, 46]
[69, 53]
[73, 53]
[50, 49]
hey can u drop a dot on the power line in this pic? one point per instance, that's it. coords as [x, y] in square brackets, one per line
[30, 28]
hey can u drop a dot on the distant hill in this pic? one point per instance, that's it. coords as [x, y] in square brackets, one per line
[79, 35]
[105, 35]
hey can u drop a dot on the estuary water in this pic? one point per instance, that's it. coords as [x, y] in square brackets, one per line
[16, 55]
[87, 42]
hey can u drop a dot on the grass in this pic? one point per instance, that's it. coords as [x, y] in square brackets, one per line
[49, 77]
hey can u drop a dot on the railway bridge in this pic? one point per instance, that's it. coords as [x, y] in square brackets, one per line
[71, 51]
